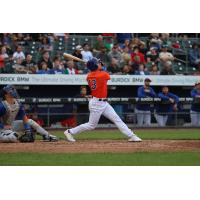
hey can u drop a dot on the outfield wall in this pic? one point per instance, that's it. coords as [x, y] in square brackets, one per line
[118, 80]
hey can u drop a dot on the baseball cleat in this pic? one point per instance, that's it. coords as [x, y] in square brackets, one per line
[135, 138]
[50, 138]
[69, 136]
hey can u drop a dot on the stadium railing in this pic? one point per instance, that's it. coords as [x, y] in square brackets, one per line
[179, 118]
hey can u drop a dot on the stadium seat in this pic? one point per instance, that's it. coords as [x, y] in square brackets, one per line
[87, 40]
[179, 68]
[60, 45]
[191, 70]
[71, 44]
[34, 44]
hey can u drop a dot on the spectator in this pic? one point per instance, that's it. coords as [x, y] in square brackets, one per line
[45, 58]
[19, 38]
[143, 110]
[194, 56]
[154, 70]
[103, 56]
[86, 53]
[36, 37]
[168, 104]
[99, 44]
[127, 69]
[57, 67]
[137, 57]
[77, 52]
[3, 58]
[29, 65]
[142, 70]
[80, 66]
[135, 43]
[71, 68]
[115, 54]
[6, 39]
[9, 50]
[142, 48]
[195, 109]
[167, 69]
[27, 37]
[83, 92]
[121, 37]
[114, 67]
[125, 44]
[165, 56]
[18, 54]
[126, 56]
[44, 68]
[149, 63]
[155, 41]
[18, 67]
[108, 43]
[45, 45]
[153, 54]
[165, 38]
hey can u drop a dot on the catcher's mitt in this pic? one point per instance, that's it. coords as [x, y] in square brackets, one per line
[27, 137]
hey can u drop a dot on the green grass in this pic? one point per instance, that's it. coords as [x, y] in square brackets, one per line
[173, 134]
[112, 159]
[102, 159]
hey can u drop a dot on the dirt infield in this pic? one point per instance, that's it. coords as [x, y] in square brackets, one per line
[99, 146]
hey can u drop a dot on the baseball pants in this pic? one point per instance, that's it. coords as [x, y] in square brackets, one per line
[143, 117]
[18, 126]
[161, 119]
[8, 136]
[98, 108]
[195, 118]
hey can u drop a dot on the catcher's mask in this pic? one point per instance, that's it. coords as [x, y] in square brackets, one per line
[10, 89]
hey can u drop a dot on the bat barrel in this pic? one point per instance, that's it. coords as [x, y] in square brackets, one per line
[71, 57]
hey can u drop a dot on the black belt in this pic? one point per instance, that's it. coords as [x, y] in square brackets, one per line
[99, 99]
[103, 99]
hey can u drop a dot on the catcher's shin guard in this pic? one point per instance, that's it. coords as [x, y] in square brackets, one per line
[34, 125]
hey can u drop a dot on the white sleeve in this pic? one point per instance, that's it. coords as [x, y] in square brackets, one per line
[160, 55]
[22, 54]
[14, 55]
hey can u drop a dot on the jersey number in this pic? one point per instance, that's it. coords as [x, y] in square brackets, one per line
[93, 84]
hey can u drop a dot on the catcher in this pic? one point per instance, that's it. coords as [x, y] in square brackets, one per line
[13, 120]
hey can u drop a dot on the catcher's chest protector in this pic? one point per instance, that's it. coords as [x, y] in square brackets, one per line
[11, 112]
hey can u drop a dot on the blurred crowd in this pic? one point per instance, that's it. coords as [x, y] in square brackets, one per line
[121, 54]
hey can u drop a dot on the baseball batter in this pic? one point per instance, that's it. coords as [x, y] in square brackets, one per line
[195, 109]
[98, 105]
[13, 120]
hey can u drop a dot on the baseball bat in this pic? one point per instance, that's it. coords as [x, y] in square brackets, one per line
[69, 56]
